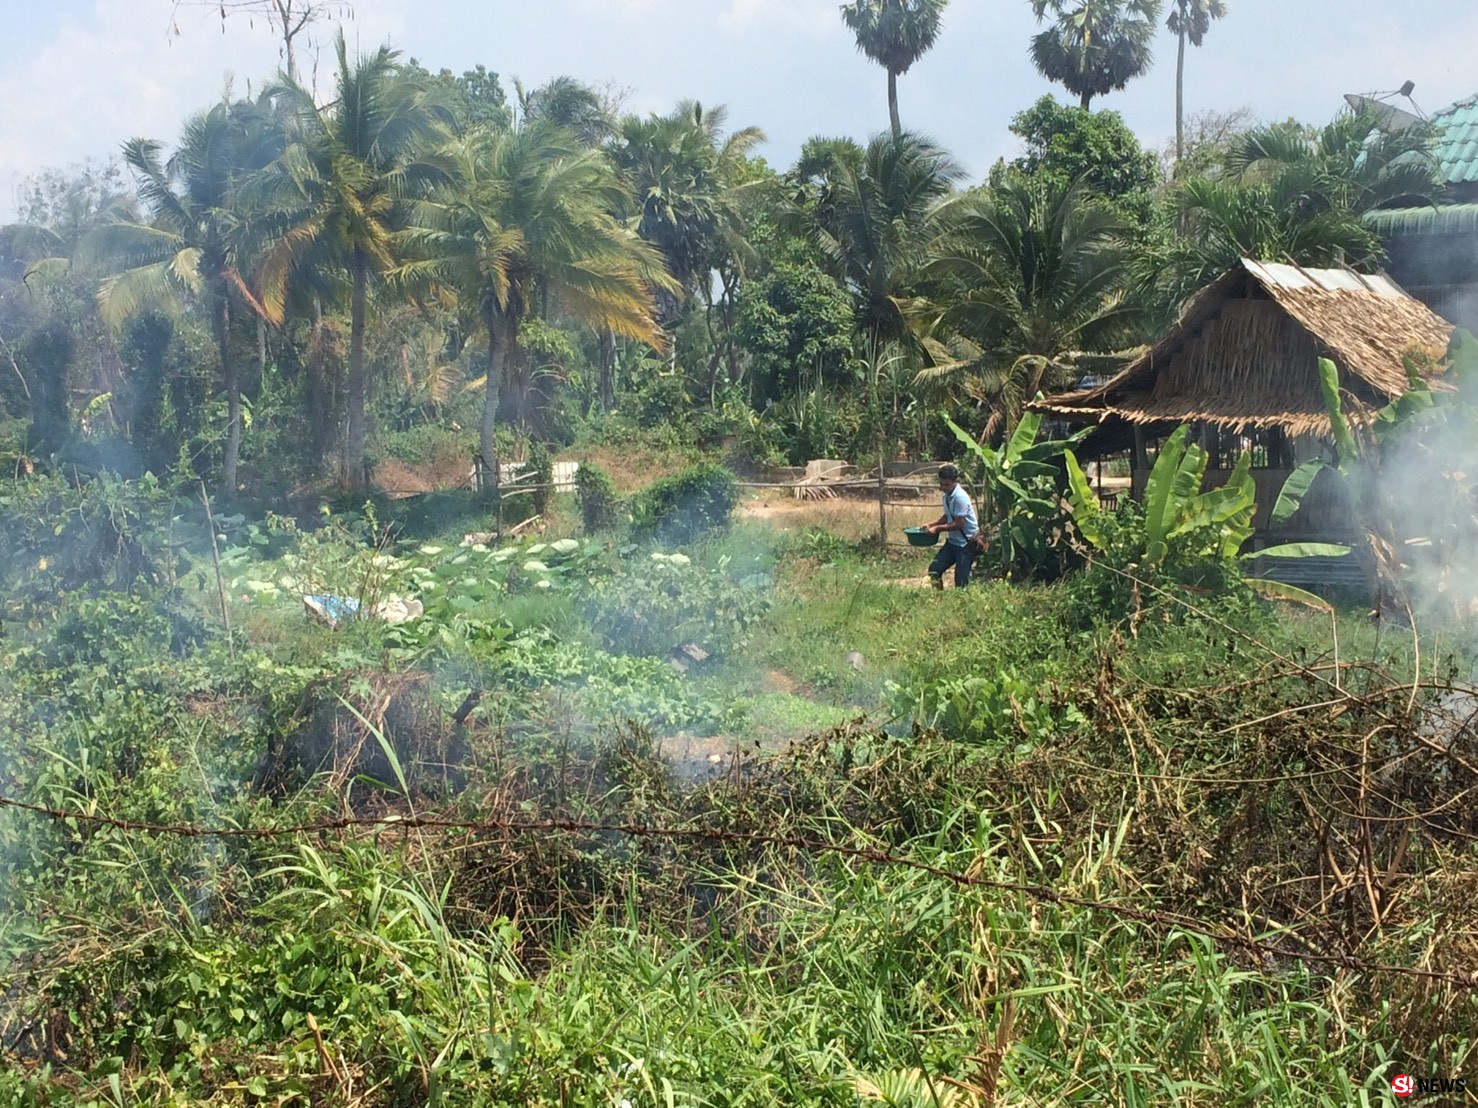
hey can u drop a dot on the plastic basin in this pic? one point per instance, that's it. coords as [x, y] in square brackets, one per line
[919, 536]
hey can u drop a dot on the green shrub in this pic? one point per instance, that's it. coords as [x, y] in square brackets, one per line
[540, 472]
[600, 507]
[426, 445]
[671, 601]
[688, 505]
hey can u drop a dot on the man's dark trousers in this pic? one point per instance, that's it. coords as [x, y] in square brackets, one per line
[961, 557]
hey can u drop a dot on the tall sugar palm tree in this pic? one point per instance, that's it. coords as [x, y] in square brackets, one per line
[337, 193]
[895, 34]
[526, 210]
[1035, 274]
[1095, 46]
[1189, 21]
[194, 240]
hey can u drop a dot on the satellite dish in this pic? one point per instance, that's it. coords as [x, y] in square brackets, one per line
[1391, 117]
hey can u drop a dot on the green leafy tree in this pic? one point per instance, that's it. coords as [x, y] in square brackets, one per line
[338, 190]
[895, 34]
[1189, 21]
[45, 357]
[194, 242]
[1035, 273]
[522, 211]
[1066, 145]
[797, 323]
[1095, 46]
[872, 216]
[475, 99]
[688, 179]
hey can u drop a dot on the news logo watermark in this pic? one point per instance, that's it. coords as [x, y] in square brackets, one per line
[1404, 1085]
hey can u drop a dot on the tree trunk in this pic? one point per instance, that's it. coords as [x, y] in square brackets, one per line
[1180, 101]
[1086, 102]
[607, 369]
[354, 438]
[497, 326]
[233, 398]
[893, 105]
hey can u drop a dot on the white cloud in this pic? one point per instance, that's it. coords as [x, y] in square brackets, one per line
[114, 74]
[810, 17]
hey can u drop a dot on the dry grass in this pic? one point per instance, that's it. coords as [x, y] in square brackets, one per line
[848, 518]
[633, 468]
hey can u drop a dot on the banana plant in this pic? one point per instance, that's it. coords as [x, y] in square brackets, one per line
[1216, 523]
[1019, 503]
[1417, 442]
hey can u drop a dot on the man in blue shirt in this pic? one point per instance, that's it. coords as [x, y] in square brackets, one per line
[960, 528]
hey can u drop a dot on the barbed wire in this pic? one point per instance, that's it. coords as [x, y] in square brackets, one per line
[1046, 894]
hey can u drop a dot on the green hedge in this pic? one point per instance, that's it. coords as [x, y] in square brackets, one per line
[600, 507]
[687, 505]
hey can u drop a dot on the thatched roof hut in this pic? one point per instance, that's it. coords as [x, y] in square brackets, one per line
[1244, 355]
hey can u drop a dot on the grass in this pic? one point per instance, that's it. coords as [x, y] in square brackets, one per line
[563, 967]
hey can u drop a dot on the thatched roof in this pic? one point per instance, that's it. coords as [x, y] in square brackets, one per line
[1245, 353]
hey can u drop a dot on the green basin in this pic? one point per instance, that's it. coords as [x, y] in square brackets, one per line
[919, 536]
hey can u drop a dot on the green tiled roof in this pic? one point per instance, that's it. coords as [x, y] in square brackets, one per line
[1457, 142]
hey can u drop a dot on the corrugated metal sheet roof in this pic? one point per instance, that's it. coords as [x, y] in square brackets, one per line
[1450, 219]
[1330, 280]
[1457, 142]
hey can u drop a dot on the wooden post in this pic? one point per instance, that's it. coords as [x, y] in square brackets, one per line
[882, 491]
[498, 496]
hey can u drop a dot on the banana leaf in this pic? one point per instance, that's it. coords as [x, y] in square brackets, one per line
[1301, 550]
[1024, 469]
[1291, 498]
[1238, 527]
[1024, 436]
[1213, 509]
[1159, 495]
[1291, 594]
[1344, 439]
[1086, 511]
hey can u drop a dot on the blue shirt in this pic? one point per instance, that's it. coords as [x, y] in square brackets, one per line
[957, 505]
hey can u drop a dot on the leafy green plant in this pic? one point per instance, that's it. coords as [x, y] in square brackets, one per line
[669, 601]
[1183, 533]
[999, 710]
[1020, 507]
[600, 507]
[1414, 547]
[686, 506]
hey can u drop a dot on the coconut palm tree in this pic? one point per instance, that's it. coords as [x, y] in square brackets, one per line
[194, 241]
[337, 191]
[1189, 21]
[876, 216]
[1095, 46]
[1035, 273]
[895, 34]
[879, 218]
[571, 104]
[687, 178]
[527, 210]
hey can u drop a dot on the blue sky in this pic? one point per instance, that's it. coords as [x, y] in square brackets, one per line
[77, 77]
